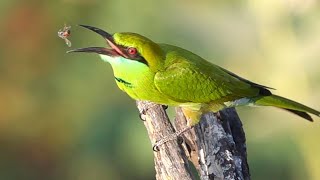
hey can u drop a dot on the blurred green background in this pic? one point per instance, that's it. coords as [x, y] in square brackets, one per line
[62, 116]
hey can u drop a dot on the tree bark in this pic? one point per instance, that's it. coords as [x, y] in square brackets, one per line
[216, 146]
[170, 161]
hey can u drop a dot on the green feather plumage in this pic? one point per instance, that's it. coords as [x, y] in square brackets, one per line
[180, 78]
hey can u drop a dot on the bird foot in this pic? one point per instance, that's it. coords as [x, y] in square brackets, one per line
[143, 112]
[165, 107]
[218, 115]
[171, 137]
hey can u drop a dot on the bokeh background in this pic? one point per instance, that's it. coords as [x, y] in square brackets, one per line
[62, 116]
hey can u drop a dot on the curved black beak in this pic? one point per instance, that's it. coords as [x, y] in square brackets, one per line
[98, 50]
[104, 34]
[114, 51]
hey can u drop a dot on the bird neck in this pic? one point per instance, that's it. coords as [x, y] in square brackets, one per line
[126, 69]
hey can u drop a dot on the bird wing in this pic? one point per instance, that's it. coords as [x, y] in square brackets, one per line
[187, 82]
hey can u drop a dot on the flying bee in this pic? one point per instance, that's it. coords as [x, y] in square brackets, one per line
[65, 33]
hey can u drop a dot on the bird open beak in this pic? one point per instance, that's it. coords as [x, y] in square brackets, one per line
[114, 51]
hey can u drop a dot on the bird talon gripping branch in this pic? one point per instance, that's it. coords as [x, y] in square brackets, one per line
[171, 137]
[142, 116]
[144, 110]
[165, 107]
[218, 115]
[155, 147]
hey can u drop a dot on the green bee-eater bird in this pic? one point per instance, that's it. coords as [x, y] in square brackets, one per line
[170, 75]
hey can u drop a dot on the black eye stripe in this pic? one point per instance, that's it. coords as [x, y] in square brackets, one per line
[139, 58]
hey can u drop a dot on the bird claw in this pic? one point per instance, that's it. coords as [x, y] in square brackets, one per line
[165, 107]
[180, 140]
[218, 115]
[142, 116]
[155, 148]
[144, 111]
[170, 137]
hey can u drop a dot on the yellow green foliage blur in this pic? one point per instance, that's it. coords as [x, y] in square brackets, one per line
[62, 116]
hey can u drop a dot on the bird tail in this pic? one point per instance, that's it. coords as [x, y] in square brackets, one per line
[286, 104]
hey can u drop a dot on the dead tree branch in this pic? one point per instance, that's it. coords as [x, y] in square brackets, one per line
[170, 161]
[216, 146]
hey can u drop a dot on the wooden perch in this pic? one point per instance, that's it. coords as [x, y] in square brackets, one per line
[216, 146]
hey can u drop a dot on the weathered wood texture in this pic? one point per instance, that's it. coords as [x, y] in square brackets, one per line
[170, 161]
[216, 146]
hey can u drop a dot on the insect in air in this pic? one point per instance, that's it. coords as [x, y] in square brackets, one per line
[65, 33]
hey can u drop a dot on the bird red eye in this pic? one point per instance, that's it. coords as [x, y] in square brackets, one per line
[132, 51]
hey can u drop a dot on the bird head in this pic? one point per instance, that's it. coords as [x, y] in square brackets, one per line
[128, 46]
